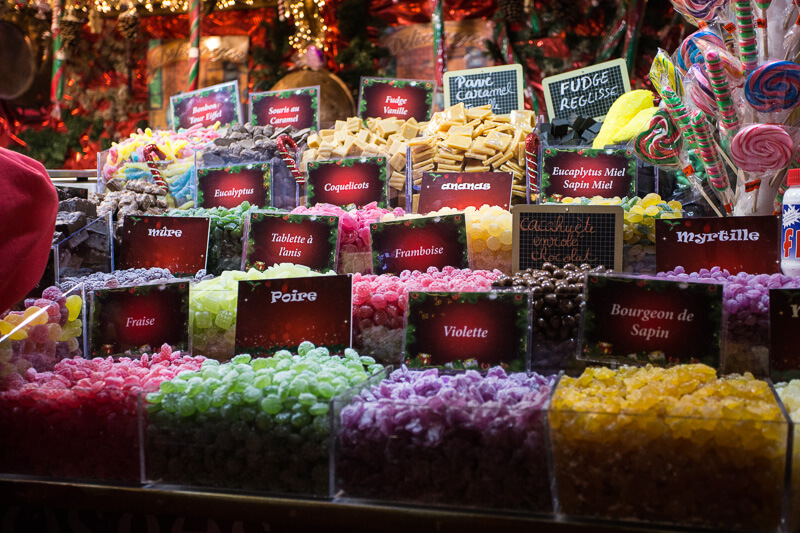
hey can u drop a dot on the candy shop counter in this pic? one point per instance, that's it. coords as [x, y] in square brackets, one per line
[28, 505]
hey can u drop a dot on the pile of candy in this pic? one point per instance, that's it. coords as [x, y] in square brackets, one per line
[576, 130]
[226, 227]
[558, 302]
[253, 424]
[463, 439]
[120, 278]
[354, 236]
[212, 306]
[489, 231]
[624, 440]
[746, 303]
[47, 331]
[379, 304]
[80, 420]
[474, 140]
[165, 158]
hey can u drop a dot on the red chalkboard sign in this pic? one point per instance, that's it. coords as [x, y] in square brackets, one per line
[278, 314]
[467, 329]
[229, 186]
[354, 181]
[737, 244]
[394, 98]
[177, 243]
[139, 319]
[308, 240]
[296, 107]
[217, 103]
[460, 190]
[584, 172]
[650, 321]
[419, 243]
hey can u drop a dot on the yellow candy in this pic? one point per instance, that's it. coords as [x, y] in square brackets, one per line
[637, 123]
[493, 243]
[74, 304]
[495, 230]
[634, 218]
[19, 334]
[478, 246]
[674, 204]
[505, 237]
[652, 211]
[5, 327]
[622, 111]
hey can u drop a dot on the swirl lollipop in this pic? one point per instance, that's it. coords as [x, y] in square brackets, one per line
[761, 148]
[690, 53]
[700, 91]
[660, 143]
[774, 86]
[703, 9]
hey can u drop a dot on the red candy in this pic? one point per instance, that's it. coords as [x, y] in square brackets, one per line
[80, 419]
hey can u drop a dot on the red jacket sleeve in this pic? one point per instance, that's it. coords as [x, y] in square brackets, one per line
[28, 209]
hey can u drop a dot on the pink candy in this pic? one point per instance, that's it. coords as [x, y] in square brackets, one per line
[80, 420]
[354, 235]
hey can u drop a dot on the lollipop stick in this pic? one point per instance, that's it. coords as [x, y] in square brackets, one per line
[726, 158]
[765, 34]
[755, 200]
[790, 18]
[705, 195]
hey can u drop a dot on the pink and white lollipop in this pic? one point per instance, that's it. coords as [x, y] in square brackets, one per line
[700, 90]
[761, 148]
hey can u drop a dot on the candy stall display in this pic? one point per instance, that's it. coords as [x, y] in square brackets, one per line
[80, 420]
[466, 440]
[675, 446]
[225, 241]
[557, 295]
[380, 302]
[489, 231]
[250, 424]
[354, 237]
[746, 304]
[164, 158]
[49, 329]
[212, 306]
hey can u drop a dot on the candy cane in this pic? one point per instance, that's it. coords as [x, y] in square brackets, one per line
[288, 149]
[153, 153]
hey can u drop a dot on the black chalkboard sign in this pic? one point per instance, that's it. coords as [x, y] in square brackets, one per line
[499, 86]
[588, 91]
[561, 234]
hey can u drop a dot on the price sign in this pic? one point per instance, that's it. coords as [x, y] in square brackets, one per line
[296, 107]
[393, 98]
[177, 243]
[218, 103]
[499, 86]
